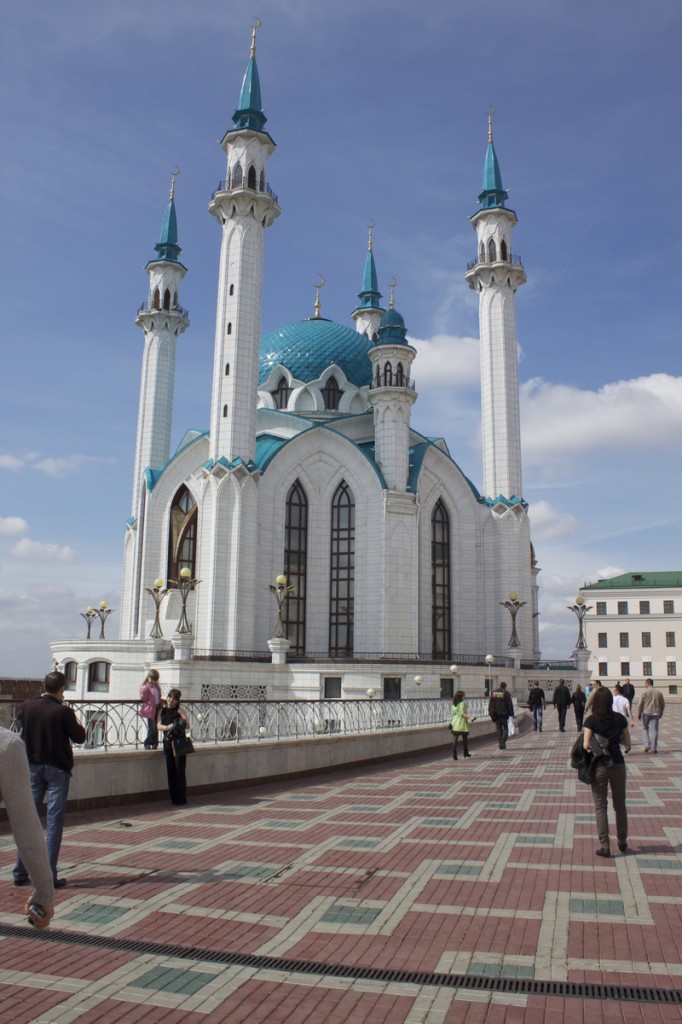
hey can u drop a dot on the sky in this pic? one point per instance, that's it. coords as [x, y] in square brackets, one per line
[379, 111]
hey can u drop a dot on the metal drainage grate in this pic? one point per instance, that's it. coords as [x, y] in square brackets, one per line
[517, 986]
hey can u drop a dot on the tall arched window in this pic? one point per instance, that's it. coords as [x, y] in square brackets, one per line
[182, 534]
[295, 565]
[281, 394]
[167, 299]
[156, 301]
[481, 253]
[388, 375]
[237, 176]
[492, 250]
[503, 250]
[331, 394]
[342, 571]
[440, 581]
[399, 375]
[251, 178]
[262, 181]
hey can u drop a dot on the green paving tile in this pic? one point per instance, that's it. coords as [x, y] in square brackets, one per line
[364, 810]
[534, 840]
[358, 844]
[508, 806]
[279, 824]
[340, 914]
[441, 822]
[651, 863]
[167, 979]
[219, 809]
[246, 871]
[584, 819]
[95, 913]
[470, 870]
[590, 906]
[433, 795]
[549, 792]
[176, 844]
[501, 971]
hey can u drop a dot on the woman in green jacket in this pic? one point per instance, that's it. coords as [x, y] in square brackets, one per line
[459, 725]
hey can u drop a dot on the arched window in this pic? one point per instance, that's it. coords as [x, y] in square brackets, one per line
[342, 571]
[331, 394]
[503, 250]
[378, 377]
[492, 250]
[295, 565]
[71, 673]
[399, 375]
[231, 289]
[229, 327]
[156, 301]
[251, 178]
[388, 375]
[167, 299]
[481, 253]
[227, 369]
[182, 534]
[225, 411]
[281, 394]
[98, 676]
[262, 181]
[237, 176]
[175, 300]
[440, 581]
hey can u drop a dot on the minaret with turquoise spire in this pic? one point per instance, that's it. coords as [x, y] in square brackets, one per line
[369, 312]
[162, 319]
[391, 396]
[244, 206]
[496, 274]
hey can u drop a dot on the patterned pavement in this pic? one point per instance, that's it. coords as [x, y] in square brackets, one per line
[482, 871]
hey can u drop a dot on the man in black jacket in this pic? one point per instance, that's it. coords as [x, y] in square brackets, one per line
[500, 709]
[561, 699]
[48, 729]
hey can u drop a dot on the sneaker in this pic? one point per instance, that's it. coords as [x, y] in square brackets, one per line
[59, 883]
[22, 880]
[622, 847]
[603, 851]
[646, 750]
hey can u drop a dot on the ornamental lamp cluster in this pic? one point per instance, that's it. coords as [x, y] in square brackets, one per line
[91, 615]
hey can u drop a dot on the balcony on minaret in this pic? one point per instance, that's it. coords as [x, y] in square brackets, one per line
[150, 307]
[237, 183]
[389, 379]
[490, 258]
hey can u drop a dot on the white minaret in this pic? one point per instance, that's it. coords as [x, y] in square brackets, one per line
[391, 396]
[369, 312]
[496, 274]
[244, 206]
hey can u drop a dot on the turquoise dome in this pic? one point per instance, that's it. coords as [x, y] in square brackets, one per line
[308, 347]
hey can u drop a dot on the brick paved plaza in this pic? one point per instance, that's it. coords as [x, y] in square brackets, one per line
[338, 897]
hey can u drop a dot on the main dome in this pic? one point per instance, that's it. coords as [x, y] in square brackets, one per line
[308, 347]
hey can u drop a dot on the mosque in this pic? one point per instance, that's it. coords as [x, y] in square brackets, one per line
[311, 542]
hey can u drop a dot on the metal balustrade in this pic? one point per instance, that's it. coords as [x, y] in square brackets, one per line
[118, 725]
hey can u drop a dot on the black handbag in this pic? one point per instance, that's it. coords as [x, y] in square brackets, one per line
[182, 745]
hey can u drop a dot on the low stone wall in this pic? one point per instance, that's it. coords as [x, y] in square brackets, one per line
[120, 777]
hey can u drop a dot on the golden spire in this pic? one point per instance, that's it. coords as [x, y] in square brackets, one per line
[174, 175]
[317, 296]
[392, 285]
[255, 28]
[371, 233]
[491, 114]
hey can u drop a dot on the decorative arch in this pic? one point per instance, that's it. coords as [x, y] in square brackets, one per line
[156, 301]
[251, 178]
[400, 375]
[182, 534]
[503, 250]
[296, 564]
[492, 250]
[440, 581]
[331, 394]
[388, 375]
[237, 176]
[342, 571]
[281, 393]
[167, 299]
[262, 181]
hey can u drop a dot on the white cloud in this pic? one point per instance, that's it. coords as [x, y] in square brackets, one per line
[10, 462]
[11, 525]
[35, 550]
[560, 421]
[548, 523]
[446, 360]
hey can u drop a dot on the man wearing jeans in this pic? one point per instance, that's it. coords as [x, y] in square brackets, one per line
[49, 728]
[650, 710]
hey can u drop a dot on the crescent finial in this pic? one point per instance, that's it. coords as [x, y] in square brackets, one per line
[491, 114]
[392, 285]
[317, 287]
[174, 175]
[371, 234]
[259, 24]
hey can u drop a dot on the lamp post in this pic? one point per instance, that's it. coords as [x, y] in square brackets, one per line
[417, 682]
[103, 613]
[280, 591]
[185, 585]
[513, 606]
[580, 609]
[89, 615]
[489, 659]
[157, 594]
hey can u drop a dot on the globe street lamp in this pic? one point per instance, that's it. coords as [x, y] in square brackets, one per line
[89, 615]
[103, 613]
[157, 594]
[580, 609]
[513, 606]
[185, 585]
[489, 659]
[280, 592]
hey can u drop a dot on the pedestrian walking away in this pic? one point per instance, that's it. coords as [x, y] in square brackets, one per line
[48, 728]
[150, 696]
[460, 724]
[604, 726]
[561, 699]
[578, 700]
[501, 709]
[596, 686]
[628, 692]
[649, 712]
[536, 703]
[622, 705]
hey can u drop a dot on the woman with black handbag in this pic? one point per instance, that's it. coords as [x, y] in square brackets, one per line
[609, 729]
[172, 724]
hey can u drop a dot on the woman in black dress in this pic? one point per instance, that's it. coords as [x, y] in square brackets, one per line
[607, 723]
[171, 717]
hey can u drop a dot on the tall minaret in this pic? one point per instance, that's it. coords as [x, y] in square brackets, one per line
[496, 274]
[368, 313]
[162, 319]
[244, 206]
[391, 396]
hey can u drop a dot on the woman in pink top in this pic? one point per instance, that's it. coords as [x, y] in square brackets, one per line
[150, 695]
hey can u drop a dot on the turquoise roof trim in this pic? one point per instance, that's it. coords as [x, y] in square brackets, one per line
[306, 348]
[509, 502]
[417, 456]
[370, 296]
[494, 194]
[167, 247]
[152, 476]
[249, 113]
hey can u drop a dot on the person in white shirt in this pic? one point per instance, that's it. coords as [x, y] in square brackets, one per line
[622, 705]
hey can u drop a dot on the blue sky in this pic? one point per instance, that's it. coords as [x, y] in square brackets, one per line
[379, 111]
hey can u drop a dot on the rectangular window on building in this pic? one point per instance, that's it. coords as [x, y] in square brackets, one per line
[625, 668]
[622, 607]
[601, 640]
[668, 607]
[601, 607]
[672, 689]
[669, 639]
[447, 688]
[646, 639]
[624, 639]
[603, 668]
[646, 668]
[644, 608]
[672, 668]
[98, 676]
[71, 673]
[392, 687]
[332, 687]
